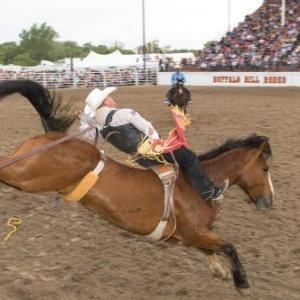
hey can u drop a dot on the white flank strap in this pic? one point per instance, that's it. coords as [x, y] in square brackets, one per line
[166, 174]
[158, 232]
[99, 167]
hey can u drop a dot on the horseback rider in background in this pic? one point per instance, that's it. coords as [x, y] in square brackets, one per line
[177, 77]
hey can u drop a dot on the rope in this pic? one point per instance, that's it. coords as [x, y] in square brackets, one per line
[42, 148]
[12, 222]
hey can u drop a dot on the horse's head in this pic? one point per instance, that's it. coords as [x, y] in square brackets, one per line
[180, 95]
[255, 178]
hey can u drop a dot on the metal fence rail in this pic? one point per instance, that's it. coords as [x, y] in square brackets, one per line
[86, 78]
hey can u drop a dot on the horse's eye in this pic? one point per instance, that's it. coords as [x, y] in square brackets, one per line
[266, 169]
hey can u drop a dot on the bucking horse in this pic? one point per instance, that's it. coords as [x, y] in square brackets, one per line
[133, 198]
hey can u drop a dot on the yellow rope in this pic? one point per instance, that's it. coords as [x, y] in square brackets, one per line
[131, 162]
[12, 222]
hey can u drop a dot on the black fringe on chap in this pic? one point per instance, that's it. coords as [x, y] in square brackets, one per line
[55, 115]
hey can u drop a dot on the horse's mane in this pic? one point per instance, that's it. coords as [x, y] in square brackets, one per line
[252, 141]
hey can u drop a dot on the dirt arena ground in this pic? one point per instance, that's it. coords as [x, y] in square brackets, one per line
[63, 251]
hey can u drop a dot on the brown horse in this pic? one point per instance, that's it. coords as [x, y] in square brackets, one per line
[179, 95]
[133, 198]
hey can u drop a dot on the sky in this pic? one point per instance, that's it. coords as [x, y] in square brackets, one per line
[181, 24]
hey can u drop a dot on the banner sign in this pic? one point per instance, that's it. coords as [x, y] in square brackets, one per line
[274, 79]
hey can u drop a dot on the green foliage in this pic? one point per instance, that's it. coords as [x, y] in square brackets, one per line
[8, 51]
[67, 49]
[24, 59]
[39, 43]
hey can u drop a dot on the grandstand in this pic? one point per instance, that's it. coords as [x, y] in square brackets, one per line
[259, 43]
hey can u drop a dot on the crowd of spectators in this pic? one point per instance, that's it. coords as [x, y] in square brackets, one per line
[259, 43]
[86, 77]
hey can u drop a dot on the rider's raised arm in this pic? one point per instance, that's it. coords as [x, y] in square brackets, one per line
[84, 123]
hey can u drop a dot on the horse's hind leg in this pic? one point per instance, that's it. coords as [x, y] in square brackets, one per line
[211, 244]
[215, 266]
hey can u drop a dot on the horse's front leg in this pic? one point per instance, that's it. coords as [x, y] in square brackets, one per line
[238, 272]
[211, 244]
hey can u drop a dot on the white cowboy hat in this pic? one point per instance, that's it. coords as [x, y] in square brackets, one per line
[96, 97]
[177, 66]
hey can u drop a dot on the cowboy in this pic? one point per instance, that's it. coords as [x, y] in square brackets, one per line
[126, 130]
[177, 77]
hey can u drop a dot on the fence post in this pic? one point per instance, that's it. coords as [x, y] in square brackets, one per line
[136, 77]
[104, 78]
[74, 79]
[44, 79]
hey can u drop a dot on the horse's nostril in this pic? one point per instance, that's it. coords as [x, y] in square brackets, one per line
[263, 203]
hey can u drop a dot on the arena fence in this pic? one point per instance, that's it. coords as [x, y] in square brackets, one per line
[87, 78]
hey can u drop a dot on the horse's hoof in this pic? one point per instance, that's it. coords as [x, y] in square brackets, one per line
[245, 292]
[240, 280]
[244, 285]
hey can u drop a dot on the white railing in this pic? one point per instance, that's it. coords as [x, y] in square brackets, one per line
[86, 78]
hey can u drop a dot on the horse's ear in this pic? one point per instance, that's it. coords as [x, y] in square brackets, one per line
[266, 151]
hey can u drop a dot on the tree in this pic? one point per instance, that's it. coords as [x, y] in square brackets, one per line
[87, 47]
[38, 42]
[101, 49]
[23, 59]
[8, 51]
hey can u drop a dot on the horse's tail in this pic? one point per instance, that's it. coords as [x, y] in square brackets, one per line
[55, 116]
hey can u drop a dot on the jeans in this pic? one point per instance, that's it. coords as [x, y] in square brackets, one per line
[191, 168]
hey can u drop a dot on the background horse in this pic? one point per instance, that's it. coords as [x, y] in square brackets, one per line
[180, 95]
[133, 198]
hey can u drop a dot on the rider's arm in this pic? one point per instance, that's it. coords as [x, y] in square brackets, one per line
[141, 124]
[183, 77]
[90, 134]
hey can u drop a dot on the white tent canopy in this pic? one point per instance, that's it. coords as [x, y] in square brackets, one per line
[114, 59]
